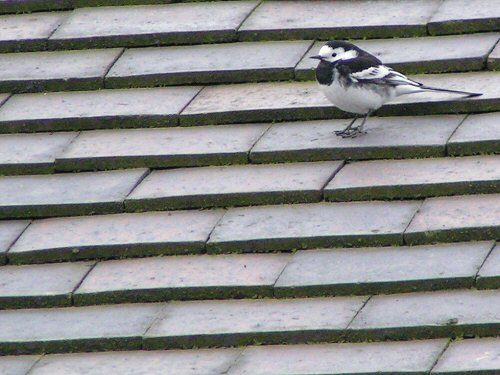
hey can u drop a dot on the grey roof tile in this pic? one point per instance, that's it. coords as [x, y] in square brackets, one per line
[387, 137]
[9, 232]
[318, 19]
[238, 322]
[66, 194]
[31, 153]
[207, 63]
[154, 148]
[489, 274]
[17, 365]
[152, 24]
[112, 236]
[41, 285]
[168, 362]
[415, 178]
[94, 109]
[27, 32]
[382, 270]
[465, 16]
[181, 277]
[457, 218]
[415, 357]
[75, 329]
[288, 227]
[494, 58]
[428, 315]
[54, 71]
[478, 134]
[232, 186]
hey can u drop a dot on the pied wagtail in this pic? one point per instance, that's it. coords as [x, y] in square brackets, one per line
[356, 81]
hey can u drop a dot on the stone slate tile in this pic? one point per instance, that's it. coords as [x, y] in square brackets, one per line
[160, 148]
[458, 218]
[258, 102]
[31, 153]
[209, 63]
[282, 101]
[478, 134]
[382, 270]
[240, 322]
[43, 285]
[464, 16]
[474, 356]
[415, 178]
[181, 277]
[319, 20]
[27, 6]
[415, 357]
[428, 315]
[489, 274]
[239, 185]
[494, 58]
[167, 362]
[94, 109]
[418, 55]
[113, 236]
[113, 327]
[56, 71]
[66, 194]
[152, 25]
[27, 32]
[387, 137]
[17, 365]
[9, 232]
[299, 226]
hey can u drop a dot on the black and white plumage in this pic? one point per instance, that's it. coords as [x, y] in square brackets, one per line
[356, 81]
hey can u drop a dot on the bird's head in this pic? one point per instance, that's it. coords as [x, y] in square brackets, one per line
[337, 50]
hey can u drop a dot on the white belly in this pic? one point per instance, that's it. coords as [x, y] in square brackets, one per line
[355, 99]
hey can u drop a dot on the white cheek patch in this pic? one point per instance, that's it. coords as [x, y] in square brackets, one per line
[351, 54]
[326, 51]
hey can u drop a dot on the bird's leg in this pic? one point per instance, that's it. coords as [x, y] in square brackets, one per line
[358, 130]
[347, 129]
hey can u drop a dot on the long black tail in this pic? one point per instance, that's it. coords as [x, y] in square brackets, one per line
[466, 93]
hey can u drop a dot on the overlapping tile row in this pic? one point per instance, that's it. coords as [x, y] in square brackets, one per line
[306, 273]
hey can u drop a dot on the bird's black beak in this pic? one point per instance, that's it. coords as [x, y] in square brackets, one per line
[317, 57]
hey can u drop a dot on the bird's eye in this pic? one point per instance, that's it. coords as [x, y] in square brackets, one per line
[334, 54]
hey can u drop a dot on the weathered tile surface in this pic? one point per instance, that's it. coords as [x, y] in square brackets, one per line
[182, 277]
[209, 63]
[115, 236]
[494, 58]
[312, 225]
[168, 362]
[382, 270]
[152, 24]
[17, 365]
[75, 329]
[489, 274]
[389, 179]
[238, 322]
[418, 55]
[387, 137]
[27, 32]
[40, 285]
[428, 315]
[53, 71]
[475, 356]
[66, 194]
[464, 16]
[478, 134]
[9, 232]
[416, 357]
[171, 147]
[232, 186]
[318, 19]
[459, 218]
[31, 153]
[255, 102]
[94, 109]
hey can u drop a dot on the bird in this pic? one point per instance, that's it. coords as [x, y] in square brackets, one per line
[358, 82]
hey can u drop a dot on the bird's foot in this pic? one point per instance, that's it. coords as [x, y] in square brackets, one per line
[350, 133]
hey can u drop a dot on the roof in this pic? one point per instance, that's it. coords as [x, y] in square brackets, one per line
[173, 199]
